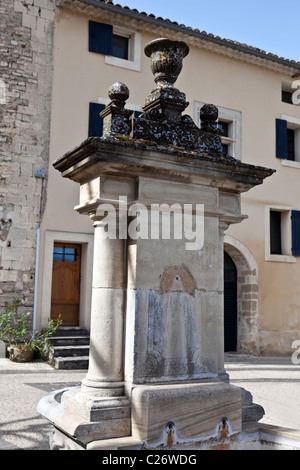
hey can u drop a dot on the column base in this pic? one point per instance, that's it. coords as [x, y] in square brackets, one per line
[99, 388]
[80, 418]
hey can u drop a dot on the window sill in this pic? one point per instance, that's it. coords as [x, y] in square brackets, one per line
[290, 163]
[126, 64]
[281, 258]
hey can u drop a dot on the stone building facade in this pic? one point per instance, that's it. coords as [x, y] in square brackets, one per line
[26, 41]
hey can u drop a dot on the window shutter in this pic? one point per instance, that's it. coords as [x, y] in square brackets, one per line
[100, 38]
[296, 233]
[281, 139]
[95, 120]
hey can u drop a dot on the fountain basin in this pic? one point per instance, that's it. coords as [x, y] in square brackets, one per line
[70, 430]
[253, 436]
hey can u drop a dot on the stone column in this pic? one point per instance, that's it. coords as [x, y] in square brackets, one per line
[221, 366]
[105, 373]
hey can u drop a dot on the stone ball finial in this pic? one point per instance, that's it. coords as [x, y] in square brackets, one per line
[118, 93]
[166, 59]
[209, 113]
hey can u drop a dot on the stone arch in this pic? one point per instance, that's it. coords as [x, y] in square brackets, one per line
[247, 295]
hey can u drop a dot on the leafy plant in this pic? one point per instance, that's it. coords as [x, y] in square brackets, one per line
[15, 330]
[40, 341]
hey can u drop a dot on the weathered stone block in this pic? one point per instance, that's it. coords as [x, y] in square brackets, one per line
[29, 21]
[195, 410]
[170, 340]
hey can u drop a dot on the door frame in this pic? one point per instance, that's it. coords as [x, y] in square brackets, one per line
[72, 269]
[87, 247]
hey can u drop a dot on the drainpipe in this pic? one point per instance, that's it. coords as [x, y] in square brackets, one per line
[36, 278]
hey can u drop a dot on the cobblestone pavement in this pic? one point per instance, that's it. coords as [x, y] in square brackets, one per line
[273, 382]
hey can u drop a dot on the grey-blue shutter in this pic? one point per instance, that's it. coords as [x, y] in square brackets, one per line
[95, 120]
[281, 139]
[296, 233]
[100, 38]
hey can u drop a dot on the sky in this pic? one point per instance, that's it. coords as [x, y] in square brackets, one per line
[270, 25]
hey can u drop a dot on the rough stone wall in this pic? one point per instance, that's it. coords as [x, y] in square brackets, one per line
[26, 41]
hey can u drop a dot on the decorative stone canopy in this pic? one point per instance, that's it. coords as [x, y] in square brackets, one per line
[162, 120]
[161, 128]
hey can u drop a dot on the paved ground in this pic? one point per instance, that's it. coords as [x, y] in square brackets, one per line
[21, 388]
[274, 384]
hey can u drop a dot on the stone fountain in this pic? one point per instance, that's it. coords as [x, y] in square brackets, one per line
[160, 194]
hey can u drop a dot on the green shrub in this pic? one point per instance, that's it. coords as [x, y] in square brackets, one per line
[15, 330]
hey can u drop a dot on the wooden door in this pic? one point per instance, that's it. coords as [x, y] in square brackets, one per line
[65, 294]
[230, 304]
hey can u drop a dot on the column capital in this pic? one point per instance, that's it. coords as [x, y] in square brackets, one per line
[223, 225]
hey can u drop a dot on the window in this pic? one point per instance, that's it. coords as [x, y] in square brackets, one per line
[287, 91]
[275, 233]
[288, 140]
[121, 46]
[278, 234]
[96, 121]
[286, 96]
[63, 253]
[224, 128]
[296, 233]
[291, 144]
[230, 124]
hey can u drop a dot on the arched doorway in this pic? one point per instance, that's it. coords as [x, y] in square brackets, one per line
[246, 294]
[230, 304]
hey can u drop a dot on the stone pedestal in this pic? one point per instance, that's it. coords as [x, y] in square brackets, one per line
[160, 206]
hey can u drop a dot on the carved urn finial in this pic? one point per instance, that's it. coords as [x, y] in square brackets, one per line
[166, 60]
[162, 120]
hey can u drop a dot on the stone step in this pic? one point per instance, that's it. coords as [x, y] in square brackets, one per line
[69, 348]
[70, 351]
[71, 363]
[69, 340]
[71, 331]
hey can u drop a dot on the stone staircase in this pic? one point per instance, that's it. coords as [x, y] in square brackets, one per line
[69, 348]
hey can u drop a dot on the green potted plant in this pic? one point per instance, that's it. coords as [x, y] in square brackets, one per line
[23, 344]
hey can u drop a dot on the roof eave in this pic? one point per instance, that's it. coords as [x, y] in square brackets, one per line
[126, 11]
